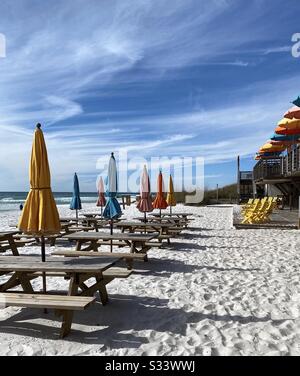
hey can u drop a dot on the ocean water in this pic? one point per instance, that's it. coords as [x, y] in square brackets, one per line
[12, 200]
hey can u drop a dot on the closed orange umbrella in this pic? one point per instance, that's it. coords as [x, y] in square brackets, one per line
[160, 201]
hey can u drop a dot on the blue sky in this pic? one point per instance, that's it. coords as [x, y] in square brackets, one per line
[159, 78]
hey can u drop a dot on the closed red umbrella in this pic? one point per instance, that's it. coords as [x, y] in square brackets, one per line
[101, 197]
[145, 203]
[160, 201]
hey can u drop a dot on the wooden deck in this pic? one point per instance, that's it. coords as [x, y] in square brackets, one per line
[282, 219]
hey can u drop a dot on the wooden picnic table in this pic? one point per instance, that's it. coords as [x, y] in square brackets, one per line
[161, 228]
[77, 270]
[138, 243]
[92, 222]
[97, 216]
[91, 215]
[165, 230]
[175, 214]
[174, 221]
[7, 241]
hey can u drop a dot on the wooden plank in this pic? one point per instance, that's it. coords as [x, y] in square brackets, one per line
[57, 264]
[8, 233]
[141, 224]
[118, 255]
[88, 236]
[117, 273]
[61, 302]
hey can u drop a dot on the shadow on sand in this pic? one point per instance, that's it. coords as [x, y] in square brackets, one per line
[123, 314]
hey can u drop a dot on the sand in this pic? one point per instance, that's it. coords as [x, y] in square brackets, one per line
[214, 291]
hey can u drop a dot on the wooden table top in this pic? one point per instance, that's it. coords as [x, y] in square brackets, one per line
[106, 236]
[162, 219]
[56, 264]
[91, 214]
[141, 224]
[171, 214]
[8, 232]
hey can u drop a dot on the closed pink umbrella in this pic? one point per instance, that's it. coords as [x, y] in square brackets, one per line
[145, 204]
[101, 198]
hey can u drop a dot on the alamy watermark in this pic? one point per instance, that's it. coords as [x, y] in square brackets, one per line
[187, 174]
[2, 46]
[296, 46]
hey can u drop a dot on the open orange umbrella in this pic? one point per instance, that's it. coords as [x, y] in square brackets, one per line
[160, 201]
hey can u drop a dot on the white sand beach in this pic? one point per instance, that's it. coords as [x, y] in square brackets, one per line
[214, 291]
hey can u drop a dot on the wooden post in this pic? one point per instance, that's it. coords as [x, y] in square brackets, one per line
[238, 180]
[217, 193]
[299, 215]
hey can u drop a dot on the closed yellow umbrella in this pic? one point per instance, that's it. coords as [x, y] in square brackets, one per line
[171, 196]
[40, 216]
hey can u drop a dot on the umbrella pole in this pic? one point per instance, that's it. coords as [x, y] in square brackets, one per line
[111, 233]
[171, 210]
[160, 213]
[43, 250]
[101, 211]
[77, 216]
[145, 220]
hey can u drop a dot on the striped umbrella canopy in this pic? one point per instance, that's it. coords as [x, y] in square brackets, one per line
[274, 154]
[296, 102]
[112, 209]
[160, 201]
[287, 131]
[289, 123]
[272, 148]
[40, 216]
[293, 113]
[171, 195]
[285, 139]
[76, 201]
[101, 197]
[145, 203]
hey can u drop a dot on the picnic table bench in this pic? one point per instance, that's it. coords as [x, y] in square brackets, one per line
[138, 243]
[77, 270]
[127, 257]
[7, 242]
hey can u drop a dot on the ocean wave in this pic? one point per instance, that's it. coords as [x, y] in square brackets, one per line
[11, 200]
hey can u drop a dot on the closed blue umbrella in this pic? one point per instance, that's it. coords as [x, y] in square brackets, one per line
[76, 201]
[112, 209]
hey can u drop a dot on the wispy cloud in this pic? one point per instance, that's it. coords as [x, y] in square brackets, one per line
[103, 76]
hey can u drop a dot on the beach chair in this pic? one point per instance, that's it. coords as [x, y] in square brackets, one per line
[254, 210]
